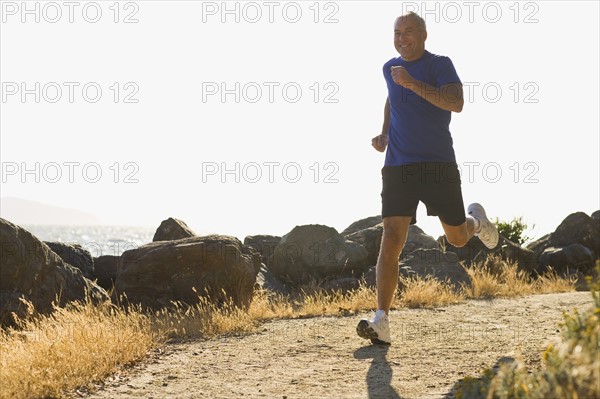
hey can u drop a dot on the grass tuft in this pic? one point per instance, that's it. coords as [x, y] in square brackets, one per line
[429, 292]
[496, 278]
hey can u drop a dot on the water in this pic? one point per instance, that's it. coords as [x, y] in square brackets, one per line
[98, 240]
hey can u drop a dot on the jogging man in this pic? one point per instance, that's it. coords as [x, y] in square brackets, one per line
[423, 90]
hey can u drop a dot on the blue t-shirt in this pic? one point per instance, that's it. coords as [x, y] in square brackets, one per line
[419, 131]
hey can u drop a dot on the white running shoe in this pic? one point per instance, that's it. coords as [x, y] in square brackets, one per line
[377, 329]
[487, 233]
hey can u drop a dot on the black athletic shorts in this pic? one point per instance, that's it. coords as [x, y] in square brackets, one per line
[435, 184]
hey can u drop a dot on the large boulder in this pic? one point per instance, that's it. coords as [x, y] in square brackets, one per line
[538, 246]
[370, 277]
[423, 262]
[267, 281]
[362, 224]
[172, 229]
[475, 252]
[569, 259]
[443, 266]
[578, 228]
[29, 269]
[370, 239]
[75, 255]
[417, 239]
[317, 252]
[105, 270]
[264, 245]
[568, 248]
[159, 273]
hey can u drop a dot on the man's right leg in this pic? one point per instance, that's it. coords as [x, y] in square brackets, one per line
[395, 232]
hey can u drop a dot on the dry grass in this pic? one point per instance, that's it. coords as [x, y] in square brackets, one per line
[269, 306]
[312, 300]
[429, 293]
[203, 320]
[551, 282]
[49, 356]
[70, 348]
[496, 278]
[326, 303]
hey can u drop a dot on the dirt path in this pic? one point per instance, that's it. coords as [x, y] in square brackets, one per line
[323, 357]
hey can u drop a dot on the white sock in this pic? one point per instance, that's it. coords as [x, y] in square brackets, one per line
[379, 314]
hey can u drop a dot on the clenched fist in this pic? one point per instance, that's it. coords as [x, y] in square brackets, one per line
[401, 76]
[380, 142]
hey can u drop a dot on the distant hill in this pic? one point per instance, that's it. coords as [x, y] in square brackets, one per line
[22, 211]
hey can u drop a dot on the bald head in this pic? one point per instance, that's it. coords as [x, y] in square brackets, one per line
[420, 22]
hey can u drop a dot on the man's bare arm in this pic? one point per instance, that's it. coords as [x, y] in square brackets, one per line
[448, 97]
[381, 141]
[386, 118]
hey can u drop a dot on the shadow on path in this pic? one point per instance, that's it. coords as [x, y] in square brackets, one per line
[379, 376]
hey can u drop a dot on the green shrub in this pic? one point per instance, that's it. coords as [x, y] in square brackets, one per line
[513, 230]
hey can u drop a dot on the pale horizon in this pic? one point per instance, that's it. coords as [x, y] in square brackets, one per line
[530, 231]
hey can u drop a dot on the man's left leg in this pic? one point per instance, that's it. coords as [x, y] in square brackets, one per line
[476, 224]
[459, 235]
[444, 198]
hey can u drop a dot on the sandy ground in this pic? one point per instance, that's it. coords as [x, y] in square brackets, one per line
[324, 358]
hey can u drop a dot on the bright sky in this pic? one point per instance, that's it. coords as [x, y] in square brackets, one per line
[174, 108]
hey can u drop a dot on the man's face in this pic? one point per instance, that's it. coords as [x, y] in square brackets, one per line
[409, 38]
